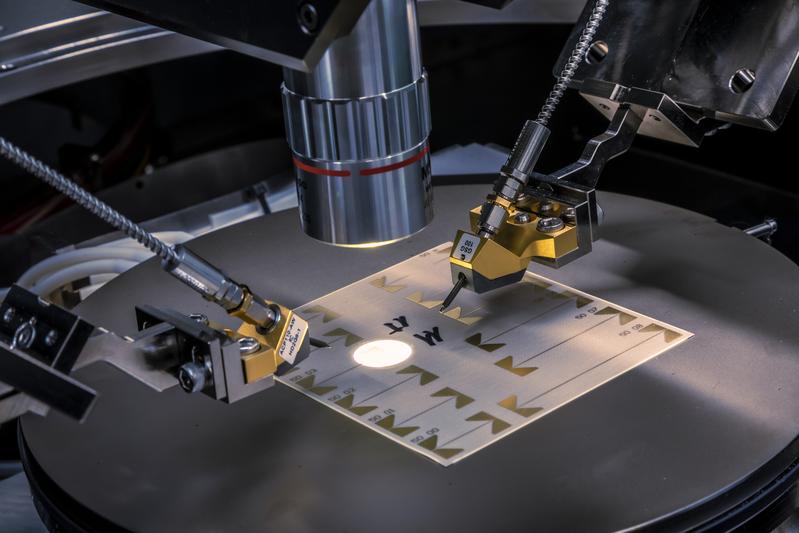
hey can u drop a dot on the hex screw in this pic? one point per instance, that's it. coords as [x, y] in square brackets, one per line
[550, 225]
[8, 316]
[308, 18]
[248, 345]
[51, 338]
[191, 377]
[570, 215]
[199, 317]
[545, 208]
[522, 218]
[24, 335]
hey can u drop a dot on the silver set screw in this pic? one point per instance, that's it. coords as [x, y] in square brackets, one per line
[550, 225]
[522, 218]
[248, 345]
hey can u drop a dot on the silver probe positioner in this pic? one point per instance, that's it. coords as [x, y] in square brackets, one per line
[192, 270]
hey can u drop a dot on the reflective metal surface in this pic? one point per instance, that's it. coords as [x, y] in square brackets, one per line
[46, 44]
[358, 127]
[674, 443]
[285, 32]
[695, 52]
[65, 42]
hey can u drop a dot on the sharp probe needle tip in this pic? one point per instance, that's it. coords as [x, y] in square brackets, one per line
[454, 292]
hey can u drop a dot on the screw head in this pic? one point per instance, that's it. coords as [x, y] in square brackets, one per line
[550, 225]
[545, 208]
[742, 80]
[8, 316]
[308, 18]
[522, 218]
[248, 345]
[24, 335]
[51, 338]
[570, 215]
[199, 317]
[191, 377]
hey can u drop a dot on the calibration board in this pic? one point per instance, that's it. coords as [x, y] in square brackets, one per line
[478, 372]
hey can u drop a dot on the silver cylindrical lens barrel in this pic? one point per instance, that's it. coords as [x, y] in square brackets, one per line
[358, 127]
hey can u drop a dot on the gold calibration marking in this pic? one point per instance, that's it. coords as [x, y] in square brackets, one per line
[425, 376]
[431, 443]
[307, 383]
[511, 404]
[455, 313]
[383, 283]
[497, 425]
[461, 400]
[521, 371]
[668, 334]
[347, 403]
[387, 423]
[349, 338]
[579, 300]
[316, 310]
[477, 339]
[418, 298]
[624, 318]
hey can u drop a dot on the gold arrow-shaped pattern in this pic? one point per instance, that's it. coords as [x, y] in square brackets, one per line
[624, 318]
[347, 403]
[387, 423]
[455, 313]
[667, 333]
[477, 339]
[431, 443]
[418, 298]
[383, 283]
[497, 425]
[541, 284]
[521, 371]
[425, 376]
[579, 300]
[316, 310]
[349, 338]
[511, 404]
[461, 399]
[307, 383]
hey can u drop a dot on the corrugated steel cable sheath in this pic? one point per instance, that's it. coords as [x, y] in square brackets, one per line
[85, 199]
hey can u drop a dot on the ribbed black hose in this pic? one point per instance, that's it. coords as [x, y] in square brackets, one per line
[577, 55]
[85, 199]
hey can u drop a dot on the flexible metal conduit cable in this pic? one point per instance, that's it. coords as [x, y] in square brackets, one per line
[85, 199]
[577, 55]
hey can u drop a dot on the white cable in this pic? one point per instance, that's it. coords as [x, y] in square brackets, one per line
[123, 249]
[83, 270]
[74, 257]
[169, 237]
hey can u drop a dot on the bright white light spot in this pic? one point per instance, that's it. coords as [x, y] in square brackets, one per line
[382, 354]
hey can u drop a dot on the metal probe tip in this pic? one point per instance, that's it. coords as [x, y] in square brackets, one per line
[461, 283]
[318, 343]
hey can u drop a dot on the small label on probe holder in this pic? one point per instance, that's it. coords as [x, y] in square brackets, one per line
[467, 246]
[292, 341]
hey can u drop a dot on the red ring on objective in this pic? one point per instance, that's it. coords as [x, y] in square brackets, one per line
[364, 172]
[395, 166]
[320, 171]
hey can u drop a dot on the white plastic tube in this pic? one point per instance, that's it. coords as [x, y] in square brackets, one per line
[74, 257]
[48, 284]
[169, 237]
